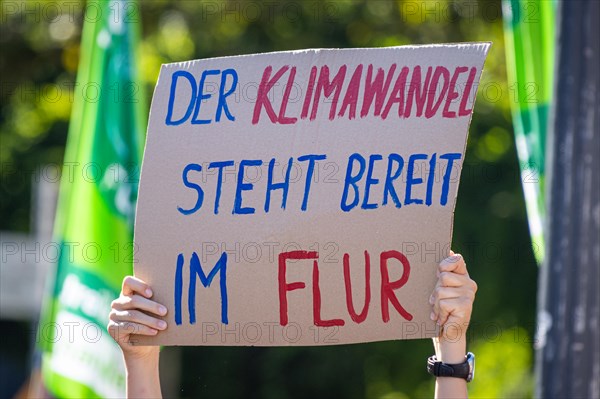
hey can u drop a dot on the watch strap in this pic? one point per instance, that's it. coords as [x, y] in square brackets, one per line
[440, 369]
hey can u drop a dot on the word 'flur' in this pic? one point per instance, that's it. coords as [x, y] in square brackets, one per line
[387, 287]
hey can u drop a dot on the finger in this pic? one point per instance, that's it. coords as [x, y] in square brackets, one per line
[449, 279]
[446, 306]
[442, 293]
[135, 316]
[434, 304]
[462, 284]
[434, 300]
[120, 330]
[454, 263]
[448, 293]
[442, 318]
[456, 308]
[133, 284]
[136, 301]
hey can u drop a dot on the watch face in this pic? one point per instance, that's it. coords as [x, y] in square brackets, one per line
[471, 362]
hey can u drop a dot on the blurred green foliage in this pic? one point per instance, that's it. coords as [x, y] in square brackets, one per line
[39, 58]
[502, 366]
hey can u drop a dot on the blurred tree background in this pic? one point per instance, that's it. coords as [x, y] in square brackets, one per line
[39, 58]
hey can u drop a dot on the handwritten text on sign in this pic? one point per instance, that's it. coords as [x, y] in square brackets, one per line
[316, 187]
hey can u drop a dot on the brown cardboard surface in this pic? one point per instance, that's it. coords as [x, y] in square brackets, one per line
[243, 303]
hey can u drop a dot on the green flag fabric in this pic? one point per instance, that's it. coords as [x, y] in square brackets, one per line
[94, 221]
[529, 43]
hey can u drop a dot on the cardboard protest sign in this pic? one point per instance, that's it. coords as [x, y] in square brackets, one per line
[304, 197]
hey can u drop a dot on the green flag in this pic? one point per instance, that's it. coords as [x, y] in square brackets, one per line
[529, 43]
[94, 222]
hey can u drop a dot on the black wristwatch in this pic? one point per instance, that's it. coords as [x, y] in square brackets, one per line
[464, 370]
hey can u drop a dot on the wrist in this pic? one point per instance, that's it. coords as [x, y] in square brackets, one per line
[149, 357]
[143, 377]
[451, 350]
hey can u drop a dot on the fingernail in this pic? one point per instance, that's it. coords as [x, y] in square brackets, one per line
[451, 259]
[162, 324]
[431, 300]
[153, 331]
[162, 310]
[148, 292]
[432, 316]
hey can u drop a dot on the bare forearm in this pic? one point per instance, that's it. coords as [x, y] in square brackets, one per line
[452, 304]
[452, 353]
[143, 379]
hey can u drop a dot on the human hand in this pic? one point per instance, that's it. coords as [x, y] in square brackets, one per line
[454, 292]
[452, 304]
[133, 313]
